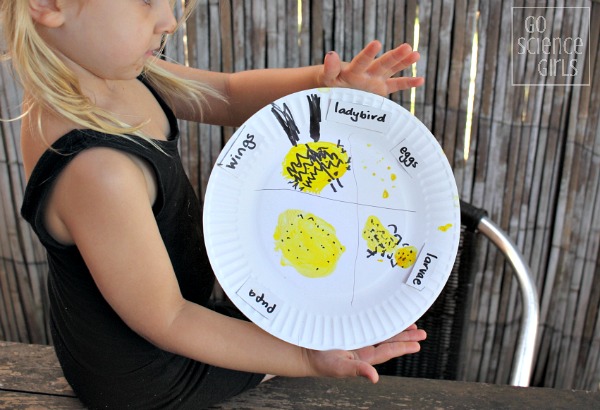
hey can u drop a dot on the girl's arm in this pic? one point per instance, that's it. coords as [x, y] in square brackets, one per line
[248, 91]
[103, 200]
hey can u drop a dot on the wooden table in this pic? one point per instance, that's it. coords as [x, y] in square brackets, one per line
[30, 377]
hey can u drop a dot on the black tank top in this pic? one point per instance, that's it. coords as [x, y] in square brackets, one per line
[107, 364]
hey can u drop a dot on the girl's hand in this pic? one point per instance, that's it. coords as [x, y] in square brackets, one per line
[342, 363]
[367, 73]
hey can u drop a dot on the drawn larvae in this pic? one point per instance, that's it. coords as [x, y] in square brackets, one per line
[380, 241]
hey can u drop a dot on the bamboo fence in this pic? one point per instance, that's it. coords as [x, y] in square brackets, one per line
[530, 155]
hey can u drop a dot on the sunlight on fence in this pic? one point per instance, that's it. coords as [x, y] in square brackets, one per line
[415, 46]
[471, 97]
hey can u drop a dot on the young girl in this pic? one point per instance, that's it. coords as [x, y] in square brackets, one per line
[129, 280]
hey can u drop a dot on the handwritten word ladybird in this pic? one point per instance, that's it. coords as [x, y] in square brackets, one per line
[356, 115]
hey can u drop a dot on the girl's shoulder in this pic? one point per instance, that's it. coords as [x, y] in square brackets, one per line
[82, 164]
[34, 145]
[133, 103]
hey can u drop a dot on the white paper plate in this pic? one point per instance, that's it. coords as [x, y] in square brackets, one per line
[312, 211]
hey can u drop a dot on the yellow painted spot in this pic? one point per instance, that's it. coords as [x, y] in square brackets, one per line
[307, 243]
[312, 166]
[406, 256]
[445, 228]
[379, 238]
[393, 177]
[386, 194]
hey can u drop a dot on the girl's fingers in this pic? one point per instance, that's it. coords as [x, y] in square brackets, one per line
[411, 334]
[403, 83]
[363, 60]
[368, 73]
[387, 351]
[391, 62]
[408, 60]
[366, 370]
[406, 342]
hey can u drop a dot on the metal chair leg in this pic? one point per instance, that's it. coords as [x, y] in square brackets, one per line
[525, 350]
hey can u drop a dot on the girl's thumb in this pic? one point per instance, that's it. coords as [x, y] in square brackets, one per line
[331, 68]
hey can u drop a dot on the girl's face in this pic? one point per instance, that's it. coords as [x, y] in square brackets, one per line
[110, 39]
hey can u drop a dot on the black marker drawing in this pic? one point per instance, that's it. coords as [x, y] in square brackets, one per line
[286, 119]
[314, 104]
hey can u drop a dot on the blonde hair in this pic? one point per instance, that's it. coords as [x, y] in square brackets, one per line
[54, 87]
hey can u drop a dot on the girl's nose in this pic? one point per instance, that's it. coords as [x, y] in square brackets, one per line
[171, 28]
[167, 23]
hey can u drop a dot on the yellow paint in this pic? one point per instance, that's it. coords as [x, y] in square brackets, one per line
[379, 238]
[381, 241]
[314, 165]
[386, 194]
[445, 228]
[307, 243]
[406, 256]
[393, 177]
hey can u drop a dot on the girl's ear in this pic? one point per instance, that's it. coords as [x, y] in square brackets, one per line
[46, 12]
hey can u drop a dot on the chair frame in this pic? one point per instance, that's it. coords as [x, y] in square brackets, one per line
[526, 343]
